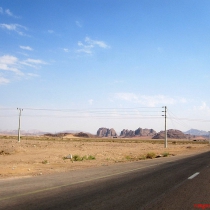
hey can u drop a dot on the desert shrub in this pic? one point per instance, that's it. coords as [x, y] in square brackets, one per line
[77, 158]
[150, 155]
[131, 158]
[44, 162]
[143, 157]
[90, 157]
[128, 157]
[165, 154]
[85, 157]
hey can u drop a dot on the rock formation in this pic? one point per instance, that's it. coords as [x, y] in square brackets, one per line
[106, 132]
[171, 133]
[127, 133]
[145, 132]
[137, 132]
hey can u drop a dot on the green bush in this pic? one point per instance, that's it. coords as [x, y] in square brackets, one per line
[79, 158]
[90, 157]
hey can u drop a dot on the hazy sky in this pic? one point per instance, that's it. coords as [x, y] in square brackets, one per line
[96, 63]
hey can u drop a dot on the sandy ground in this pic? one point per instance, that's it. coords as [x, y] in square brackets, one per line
[44, 156]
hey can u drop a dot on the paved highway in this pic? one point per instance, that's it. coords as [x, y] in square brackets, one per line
[179, 182]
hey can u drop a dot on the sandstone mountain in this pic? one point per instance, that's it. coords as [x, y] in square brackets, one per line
[127, 133]
[106, 132]
[137, 132]
[145, 132]
[171, 133]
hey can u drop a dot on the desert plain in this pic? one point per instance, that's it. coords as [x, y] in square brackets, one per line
[36, 156]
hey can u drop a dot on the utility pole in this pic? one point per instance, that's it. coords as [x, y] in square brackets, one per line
[165, 110]
[209, 137]
[20, 110]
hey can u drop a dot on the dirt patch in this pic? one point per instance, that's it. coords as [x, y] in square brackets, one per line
[36, 157]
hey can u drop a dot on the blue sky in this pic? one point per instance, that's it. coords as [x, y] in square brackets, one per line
[77, 58]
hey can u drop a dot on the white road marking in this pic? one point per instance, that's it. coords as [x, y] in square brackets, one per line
[194, 175]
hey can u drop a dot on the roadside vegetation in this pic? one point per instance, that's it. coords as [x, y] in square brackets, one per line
[80, 158]
[149, 155]
[45, 162]
[165, 154]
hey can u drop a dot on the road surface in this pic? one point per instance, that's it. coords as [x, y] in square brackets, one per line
[179, 182]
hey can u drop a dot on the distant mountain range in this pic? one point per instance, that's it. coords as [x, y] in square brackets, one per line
[196, 132]
[192, 132]
[32, 132]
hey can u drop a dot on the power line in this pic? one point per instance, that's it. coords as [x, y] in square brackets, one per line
[128, 108]
[98, 112]
[98, 117]
[136, 112]
[174, 118]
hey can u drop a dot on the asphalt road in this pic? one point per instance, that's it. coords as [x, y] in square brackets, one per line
[161, 183]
